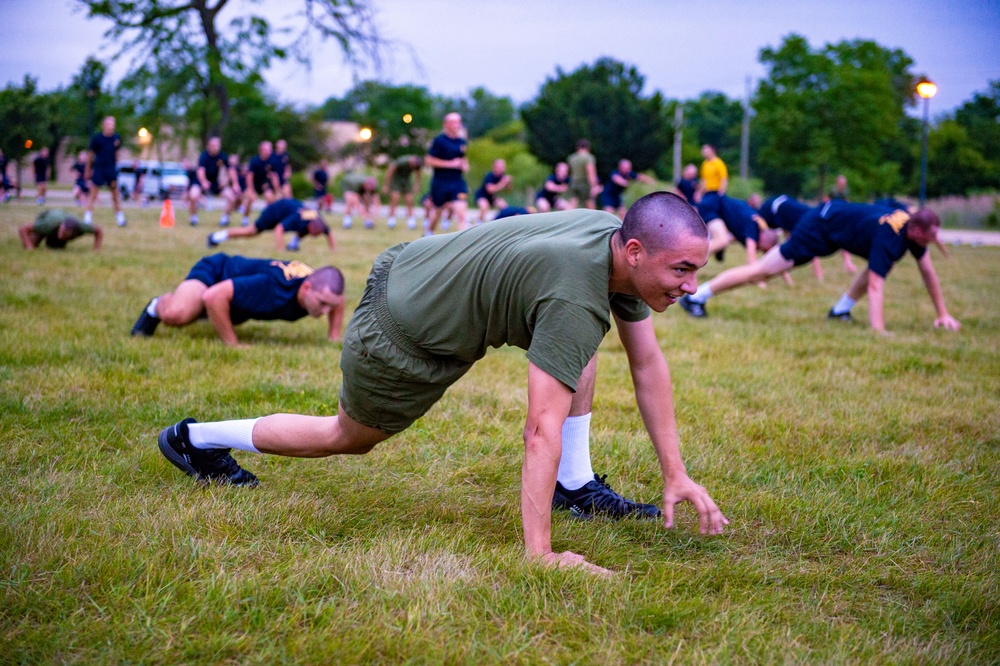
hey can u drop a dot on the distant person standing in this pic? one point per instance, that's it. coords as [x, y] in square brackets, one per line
[403, 178]
[713, 184]
[839, 190]
[583, 184]
[281, 164]
[213, 163]
[688, 184]
[41, 164]
[618, 181]
[264, 182]
[320, 180]
[81, 189]
[4, 181]
[103, 169]
[488, 195]
[549, 197]
[447, 157]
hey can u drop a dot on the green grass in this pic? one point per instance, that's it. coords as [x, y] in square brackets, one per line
[859, 475]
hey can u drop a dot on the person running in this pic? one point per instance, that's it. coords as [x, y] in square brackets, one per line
[446, 157]
[264, 182]
[360, 193]
[688, 184]
[495, 181]
[549, 284]
[583, 184]
[81, 189]
[282, 216]
[56, 228]
[618, 182]
[230, 290]
[736, 220]
[549, 196]
[281, 165]
[103, 169]
[212, 163]
[41, 164]
[403, 178]
[320, 180]
[881, 235]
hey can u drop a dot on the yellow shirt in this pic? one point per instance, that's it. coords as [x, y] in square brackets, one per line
[713, 172]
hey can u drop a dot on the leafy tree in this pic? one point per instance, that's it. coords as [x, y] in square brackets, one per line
[954, 164]
[482, 111]
[981, 119]
[182, 45]
[603, 103]
[21, 117]
[402, 118]
[716, 119]
[820, 111]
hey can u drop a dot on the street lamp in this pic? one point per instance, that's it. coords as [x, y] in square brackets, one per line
[925, 89]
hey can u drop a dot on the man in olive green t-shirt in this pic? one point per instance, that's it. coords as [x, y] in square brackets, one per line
[548, 284]
[56, 228]
[583, 184]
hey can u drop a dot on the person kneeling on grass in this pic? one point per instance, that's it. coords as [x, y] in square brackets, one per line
[282, 216]
[546, 283]
[880, 234]
[57, 228]
[231, 290]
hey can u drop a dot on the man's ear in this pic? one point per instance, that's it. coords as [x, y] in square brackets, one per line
[633, 248]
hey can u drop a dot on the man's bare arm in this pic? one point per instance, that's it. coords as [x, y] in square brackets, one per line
[98, 238]
[218, 299]
[336, 323]
[876, 301]
[933, 286]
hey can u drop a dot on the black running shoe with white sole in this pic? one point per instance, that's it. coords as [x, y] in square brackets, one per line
[693, 308]
[598, 499]
[146, 323]
[843, 316]
[208, 465]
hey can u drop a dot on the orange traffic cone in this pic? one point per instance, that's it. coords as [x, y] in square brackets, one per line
[167, 214]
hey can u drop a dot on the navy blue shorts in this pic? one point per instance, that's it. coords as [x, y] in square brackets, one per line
[260, 188]
[82, 184]
[319, 194]
[808, 240]
[448, 191]
[208, 270]
[709, 207]
[106, 176]
[611, 200]
[481, 193]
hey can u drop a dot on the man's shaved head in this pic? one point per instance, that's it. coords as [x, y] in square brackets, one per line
[327, 277]
[658, 218]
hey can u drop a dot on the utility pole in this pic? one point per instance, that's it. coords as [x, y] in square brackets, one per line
[745, 136]
[678, 137]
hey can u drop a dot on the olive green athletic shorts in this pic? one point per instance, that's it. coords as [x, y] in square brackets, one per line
[388, 381]
[401, 184]
[581, 191]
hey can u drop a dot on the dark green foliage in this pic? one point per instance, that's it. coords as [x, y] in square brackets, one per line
[382, 107]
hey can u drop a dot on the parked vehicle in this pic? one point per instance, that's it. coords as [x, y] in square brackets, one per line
[157, 180]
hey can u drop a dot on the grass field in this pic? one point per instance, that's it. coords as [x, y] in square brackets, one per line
[860, 475]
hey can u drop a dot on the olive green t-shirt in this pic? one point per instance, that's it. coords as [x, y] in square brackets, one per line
[577, 163]
[49, 222]
[353, 181]
[538, 282]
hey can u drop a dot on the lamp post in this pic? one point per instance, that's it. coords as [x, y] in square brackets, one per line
[925, 89]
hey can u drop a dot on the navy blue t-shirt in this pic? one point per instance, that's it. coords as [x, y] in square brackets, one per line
[782, 212]
[549, 194]
[613, 188]
[279, 161]
[3, 166]
[890, 202]
[105, 149]
[446, 148]
[213, 164]
[877, 233]
[41, 168]
[291, 214]
[265, 289]
[80, 168]
[511, 211]
[741, 219]
[322, 178]
[687, 189]
[261, 170]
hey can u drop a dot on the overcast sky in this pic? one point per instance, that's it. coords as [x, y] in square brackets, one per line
[512, 46]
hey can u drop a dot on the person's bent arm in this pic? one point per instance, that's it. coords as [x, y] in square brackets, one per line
[336, 320]
[548, 406]
[218, 299]
[330, 241]
[438, 163]
[876, 301]
[202, 179]
[723, 184]
[933, 286]
[27, 237]
[751, 250]
[98, 238]
[643, 178]
[654, 396]
[388, 177]
[418, 179]
[279, 236]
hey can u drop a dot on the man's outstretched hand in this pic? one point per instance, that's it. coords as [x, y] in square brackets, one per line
[568, 559]
[685, 490]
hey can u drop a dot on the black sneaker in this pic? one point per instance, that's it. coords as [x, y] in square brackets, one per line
[206, 465]
[146, 323]
[598, 499]
[843, 316]
[720, 256]
[693, 308]
[210, 242]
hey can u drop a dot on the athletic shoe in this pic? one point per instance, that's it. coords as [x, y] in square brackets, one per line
[224, 222]
[194, 220]
[293, 245]
[843, 316]
[391, 223]
[245, 222]
[369, 224]
[205, 465]
[598, 499]
[146, 324]
[693, 308]
[720, 256]
[210, 241]
[411, 223]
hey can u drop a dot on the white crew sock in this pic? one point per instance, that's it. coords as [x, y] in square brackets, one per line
[224, 220]
[245, 222]
[220, 236]
[844, 305]
[88, 217]
[223, 435]
[120, 218]
[151, 308]
[574, 465]
[703, 294]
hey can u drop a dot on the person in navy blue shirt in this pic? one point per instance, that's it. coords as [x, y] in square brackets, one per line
[282, 216]
[881, 235]
[213, 164]
[488, 195]
[281, 165]
[230, 290]
[618, 181]
[103, 169]
[320, 181]
[4, 181]
[738, 221]
[549, 196]
[446, 157]
[263, 180]
[80, 187]
[41, 164]
[688, 184]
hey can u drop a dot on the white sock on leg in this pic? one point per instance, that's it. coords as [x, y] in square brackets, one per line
[844, 305]
[220, 236]
[703, 294]
[223, 435]
[575, 470]
[151, 308]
